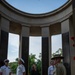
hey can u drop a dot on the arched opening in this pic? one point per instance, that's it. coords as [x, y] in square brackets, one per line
[13, 51]
[56, 47]
[35, 57]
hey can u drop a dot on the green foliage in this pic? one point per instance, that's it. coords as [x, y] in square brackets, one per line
[39, 65]
[13, 66]
[59, 51]
[33, 60]
[16, 59]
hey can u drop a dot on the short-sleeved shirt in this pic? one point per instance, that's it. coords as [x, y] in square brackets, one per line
[5, 70]
[20, 70]
[50, 70]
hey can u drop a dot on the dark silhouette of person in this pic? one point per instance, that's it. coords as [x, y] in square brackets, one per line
[34, 70]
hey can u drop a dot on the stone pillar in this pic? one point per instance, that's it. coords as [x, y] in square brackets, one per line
[66, 45]
[24, 47]
[45, 50]
[50, 51]
[73, 42]
[72, 48]
[73, 3]
[4, 38]
[0, 31]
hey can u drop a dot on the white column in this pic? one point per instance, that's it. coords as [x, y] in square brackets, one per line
[24, 33]
[45, 31]
[65, 26]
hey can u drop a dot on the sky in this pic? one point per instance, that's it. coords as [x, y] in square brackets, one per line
[33, 7]
[36, 6]
[56, 41]
[13, 47]
[35, 45]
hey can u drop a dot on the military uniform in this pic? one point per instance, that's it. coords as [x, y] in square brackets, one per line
[50, 70]
[20, 70]
[5, 70]
[60, 69]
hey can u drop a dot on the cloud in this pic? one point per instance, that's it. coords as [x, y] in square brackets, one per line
[35, 46]
[14, 39]
[56, 42]
[13, 47]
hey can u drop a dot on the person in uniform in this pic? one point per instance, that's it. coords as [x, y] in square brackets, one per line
[52, 68]
[5, 70]
[21, 69]
[60, 68]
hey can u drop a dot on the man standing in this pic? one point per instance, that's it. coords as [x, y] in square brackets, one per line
[21, 69]
[5, 70]
[52, 68]
[60, 68]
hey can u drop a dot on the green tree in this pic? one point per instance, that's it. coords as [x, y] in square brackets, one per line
[16, 59]
[31, 61]
[59, 51]
[13, 66]
[39, 65]
[34, 60]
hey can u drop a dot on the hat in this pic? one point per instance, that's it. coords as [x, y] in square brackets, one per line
[21, 60]
[57, 56]
[6, 60]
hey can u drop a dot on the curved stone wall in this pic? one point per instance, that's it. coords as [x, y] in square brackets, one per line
[36, 20]
[59, 21]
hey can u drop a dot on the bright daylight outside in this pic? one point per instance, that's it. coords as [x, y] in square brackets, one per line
[35, 42]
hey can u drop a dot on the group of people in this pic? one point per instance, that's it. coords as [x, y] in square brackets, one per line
[5, 69]
[56, 66]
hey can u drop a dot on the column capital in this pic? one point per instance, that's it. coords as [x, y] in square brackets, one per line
[65, 26]
[45, 31]
[25, 31]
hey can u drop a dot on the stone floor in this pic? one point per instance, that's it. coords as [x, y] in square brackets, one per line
[13, 74]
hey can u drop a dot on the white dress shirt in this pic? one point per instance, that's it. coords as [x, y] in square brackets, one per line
[20, 70]
[5, 70]
[50, 70]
